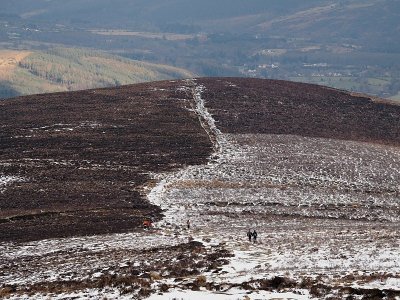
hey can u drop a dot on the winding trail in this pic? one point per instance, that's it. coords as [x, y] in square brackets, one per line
[244, 266]
[228, 195]
[175, 214]
[206, 119]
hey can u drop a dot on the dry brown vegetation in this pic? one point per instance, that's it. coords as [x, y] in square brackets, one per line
[85, 155]
[141, 270]
[281, 107]
[315, 170]
[9, 60]
[70, 69]
[148, 35]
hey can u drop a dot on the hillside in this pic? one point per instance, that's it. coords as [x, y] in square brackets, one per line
[344, 44]
[9, 61]
[94, 150]
[313, 169]
[355, 21]
[138, 13]
[62, 69]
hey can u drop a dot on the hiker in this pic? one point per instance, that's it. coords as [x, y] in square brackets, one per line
[249, 235]
[188, 224]
[146, 223]
[254, 236]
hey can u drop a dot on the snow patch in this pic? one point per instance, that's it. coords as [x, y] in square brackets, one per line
[7, 180]
[232, 294]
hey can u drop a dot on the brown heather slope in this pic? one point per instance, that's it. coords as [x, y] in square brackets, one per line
[281, 107]
[85, 156]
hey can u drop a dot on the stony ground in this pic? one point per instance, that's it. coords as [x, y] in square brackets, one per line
[326, 211]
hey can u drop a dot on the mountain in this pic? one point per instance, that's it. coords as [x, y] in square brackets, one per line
[155, 13]
[61, 69]
[313, 170]
[87, 154]
[359, 22]
[345, 44]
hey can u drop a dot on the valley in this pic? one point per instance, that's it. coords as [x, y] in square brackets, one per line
[344, 44]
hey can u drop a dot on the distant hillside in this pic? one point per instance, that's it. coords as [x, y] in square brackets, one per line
[156, 13]
[364, 21]
[345, 44]
[61, 69]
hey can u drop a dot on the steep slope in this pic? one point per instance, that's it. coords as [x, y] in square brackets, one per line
[338, 21]
[111, 13]
[63, 69]
[9, 60]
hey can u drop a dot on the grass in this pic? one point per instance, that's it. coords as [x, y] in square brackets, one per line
[343, 82]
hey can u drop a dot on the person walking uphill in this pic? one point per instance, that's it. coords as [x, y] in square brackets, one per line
[254, 236]
[249, 235]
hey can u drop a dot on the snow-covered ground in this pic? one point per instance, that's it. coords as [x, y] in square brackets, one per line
[321, 207]
[233, 294]
[57, 259]
[5, 180]
[326, 211]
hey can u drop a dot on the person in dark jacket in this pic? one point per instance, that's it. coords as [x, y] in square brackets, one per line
[249, 235]
[254, 236]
